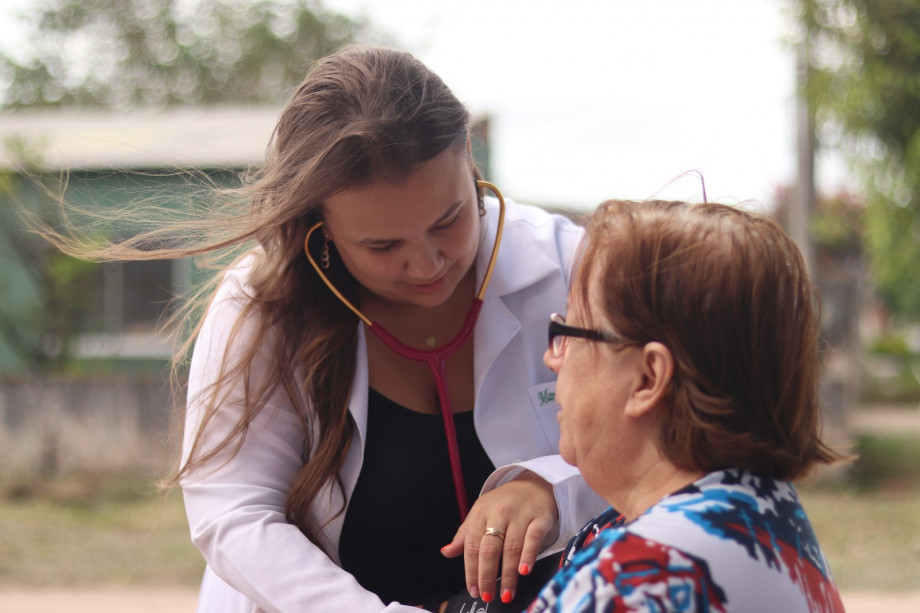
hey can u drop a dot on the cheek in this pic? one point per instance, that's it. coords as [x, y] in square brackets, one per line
[364, 265]
[569, 418]
[581, 423]
[565, 447]
[575, 428]
[467, 241]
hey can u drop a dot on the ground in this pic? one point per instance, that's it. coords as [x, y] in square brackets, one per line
[183, 599]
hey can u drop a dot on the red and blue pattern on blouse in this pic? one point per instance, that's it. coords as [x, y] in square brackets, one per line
[731, 541]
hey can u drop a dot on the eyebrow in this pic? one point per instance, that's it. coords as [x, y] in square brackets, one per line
[370, 242]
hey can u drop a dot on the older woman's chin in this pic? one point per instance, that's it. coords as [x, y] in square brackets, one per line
[566, 452]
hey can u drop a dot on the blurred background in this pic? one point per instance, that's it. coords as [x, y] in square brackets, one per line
[807, 110]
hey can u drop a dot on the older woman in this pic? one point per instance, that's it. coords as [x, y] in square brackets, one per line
[687, 375]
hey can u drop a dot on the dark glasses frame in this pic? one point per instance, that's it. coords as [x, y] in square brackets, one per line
[559, 330]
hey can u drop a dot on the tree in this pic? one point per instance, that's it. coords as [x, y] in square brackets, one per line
[48, 294]
[129, 53]
[864, 84]
[122, 54]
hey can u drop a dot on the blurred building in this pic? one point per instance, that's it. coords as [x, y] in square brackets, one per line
[111, 409]
[115, 160]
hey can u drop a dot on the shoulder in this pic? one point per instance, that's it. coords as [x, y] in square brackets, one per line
[746, 528]
[728, 537]
[535, 243]
[533, 220]
[725, 501]
[234, 284]
[725, 508]
[229, 306]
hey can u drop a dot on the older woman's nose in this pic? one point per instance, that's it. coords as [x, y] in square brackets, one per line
[552, 362]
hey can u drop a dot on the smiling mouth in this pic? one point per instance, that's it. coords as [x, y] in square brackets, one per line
[430, 286]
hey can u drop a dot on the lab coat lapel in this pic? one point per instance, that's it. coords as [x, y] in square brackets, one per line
[351, 468]
[521, 263]
[357, 406]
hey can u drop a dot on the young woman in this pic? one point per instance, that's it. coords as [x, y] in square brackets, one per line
[688, 376]
[317, 471]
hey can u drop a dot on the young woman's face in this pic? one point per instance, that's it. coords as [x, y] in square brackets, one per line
[412, 242]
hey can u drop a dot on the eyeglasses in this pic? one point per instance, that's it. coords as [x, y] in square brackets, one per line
[558, 332]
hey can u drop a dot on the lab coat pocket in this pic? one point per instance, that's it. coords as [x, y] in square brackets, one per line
[543, 402]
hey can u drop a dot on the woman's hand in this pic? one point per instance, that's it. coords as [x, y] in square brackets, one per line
[525, 509]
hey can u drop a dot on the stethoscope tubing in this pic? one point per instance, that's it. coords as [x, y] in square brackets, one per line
[436, 358]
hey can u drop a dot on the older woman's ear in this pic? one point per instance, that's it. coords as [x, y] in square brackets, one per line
[655, 369]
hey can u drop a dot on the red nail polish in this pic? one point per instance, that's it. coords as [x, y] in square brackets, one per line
[506, 596]
[487, 597]
[524, 569]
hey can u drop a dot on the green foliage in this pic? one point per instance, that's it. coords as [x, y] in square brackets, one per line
[836, 226]
[39, 328]
[891, 343]
[864, 84]
[887, 463]
[127, 53]
[121, 54]
[890, 379]
[893, 244]
[47, 294]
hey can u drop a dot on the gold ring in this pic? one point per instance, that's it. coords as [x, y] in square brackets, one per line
[495, 532]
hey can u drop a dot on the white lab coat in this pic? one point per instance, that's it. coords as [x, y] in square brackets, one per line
[236, 514]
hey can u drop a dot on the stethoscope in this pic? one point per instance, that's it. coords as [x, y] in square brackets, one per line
[437, 357]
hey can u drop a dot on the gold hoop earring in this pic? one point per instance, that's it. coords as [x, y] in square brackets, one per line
[324, 260]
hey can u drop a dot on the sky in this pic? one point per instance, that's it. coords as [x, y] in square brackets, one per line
[597, 99]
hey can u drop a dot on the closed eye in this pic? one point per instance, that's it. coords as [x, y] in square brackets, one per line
[381, 248]
[451, 222]
[385, 246]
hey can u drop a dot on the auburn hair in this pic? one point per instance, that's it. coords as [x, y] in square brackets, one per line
[728, 293]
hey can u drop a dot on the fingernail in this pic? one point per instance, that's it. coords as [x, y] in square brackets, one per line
[444, 547]
[474, 591]
[487, 596]
[506, 596]
[524, 569]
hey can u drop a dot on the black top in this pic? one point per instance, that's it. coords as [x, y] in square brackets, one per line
[404, 509]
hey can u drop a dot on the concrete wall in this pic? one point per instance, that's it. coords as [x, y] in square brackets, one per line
[50, 426]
